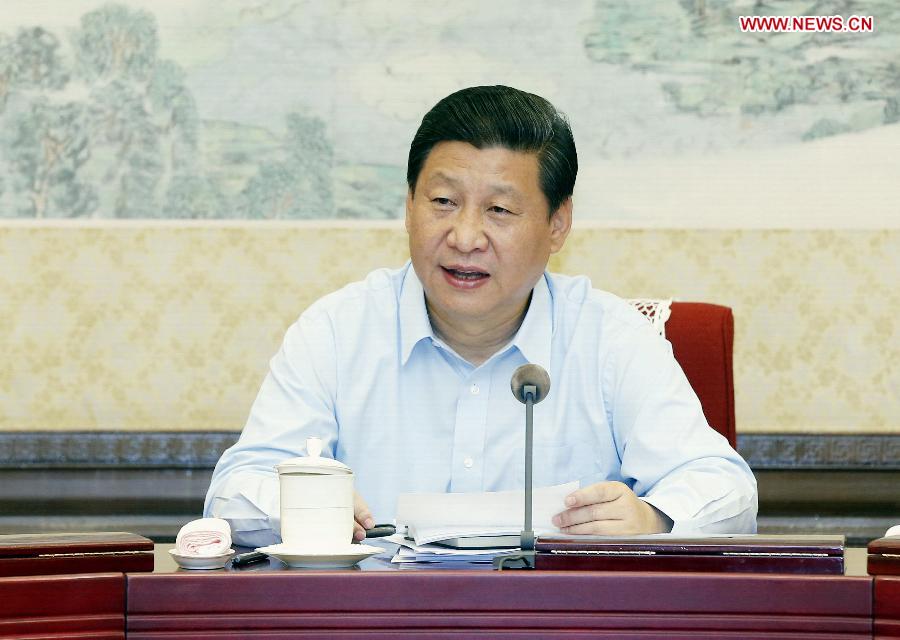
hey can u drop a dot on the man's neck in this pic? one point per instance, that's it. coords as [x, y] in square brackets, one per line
[476, 340]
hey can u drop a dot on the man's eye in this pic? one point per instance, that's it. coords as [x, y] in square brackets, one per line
[443, 202]
[498, 209]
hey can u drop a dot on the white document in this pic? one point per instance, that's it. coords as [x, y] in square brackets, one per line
[438, 516]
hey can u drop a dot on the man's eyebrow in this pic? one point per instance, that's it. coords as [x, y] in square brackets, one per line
[505, 190]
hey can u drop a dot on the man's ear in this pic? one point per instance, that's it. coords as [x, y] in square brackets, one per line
[560, 225]
[409, 202]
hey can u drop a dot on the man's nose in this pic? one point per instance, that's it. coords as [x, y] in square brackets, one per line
[467, 231]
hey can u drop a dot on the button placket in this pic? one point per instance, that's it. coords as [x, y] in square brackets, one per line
[469, 434]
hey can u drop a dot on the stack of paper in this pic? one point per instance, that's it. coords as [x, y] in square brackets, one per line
[409, 552]
[427, 518]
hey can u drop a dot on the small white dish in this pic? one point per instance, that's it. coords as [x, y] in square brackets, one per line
[330, 558]
[202, 562]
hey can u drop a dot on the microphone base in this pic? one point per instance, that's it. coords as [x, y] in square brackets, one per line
[521, 560]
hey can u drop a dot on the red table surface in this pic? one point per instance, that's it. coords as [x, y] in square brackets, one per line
[379, 600]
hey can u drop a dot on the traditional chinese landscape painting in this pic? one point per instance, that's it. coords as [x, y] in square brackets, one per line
[304, 110]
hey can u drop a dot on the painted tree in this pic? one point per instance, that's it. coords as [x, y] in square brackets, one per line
[126, 156]
[299, 185]
[47, 146]
[30, 61]
[30, 66]
[7, 65]
[173, 112]
[7, 68]
[116, 42]
[194, 197]
[143, 118]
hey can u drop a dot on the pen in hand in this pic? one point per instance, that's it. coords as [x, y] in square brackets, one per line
[381, 530]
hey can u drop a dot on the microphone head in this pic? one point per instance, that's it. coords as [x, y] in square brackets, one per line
[532, 374]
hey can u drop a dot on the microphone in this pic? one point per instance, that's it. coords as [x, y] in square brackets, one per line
[530, 374]
[530, 384]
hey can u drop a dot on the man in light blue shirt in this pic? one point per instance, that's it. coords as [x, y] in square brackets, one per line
[405, 375]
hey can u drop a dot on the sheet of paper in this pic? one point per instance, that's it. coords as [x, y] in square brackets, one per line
[438, 516]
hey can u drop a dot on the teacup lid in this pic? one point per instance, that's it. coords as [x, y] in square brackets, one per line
[313, 462]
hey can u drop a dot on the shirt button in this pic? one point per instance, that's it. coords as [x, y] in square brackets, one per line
[474, 389]
[468, 462]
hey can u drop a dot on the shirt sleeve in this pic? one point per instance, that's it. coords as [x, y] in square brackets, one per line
[669, 454]
[296, 401]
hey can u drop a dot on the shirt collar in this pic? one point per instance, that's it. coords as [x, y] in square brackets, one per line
[533, 338]
[414, 323]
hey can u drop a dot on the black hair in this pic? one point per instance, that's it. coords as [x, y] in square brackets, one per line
[501, 116]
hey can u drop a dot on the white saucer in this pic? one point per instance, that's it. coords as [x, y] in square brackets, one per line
[332, 558]
[202, 562]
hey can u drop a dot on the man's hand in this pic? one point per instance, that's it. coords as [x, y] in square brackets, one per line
[362, 517]
[610, 508]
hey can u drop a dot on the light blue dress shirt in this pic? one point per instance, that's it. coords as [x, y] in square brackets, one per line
[363, 370]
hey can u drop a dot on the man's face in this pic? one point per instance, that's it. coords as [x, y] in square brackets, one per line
[479, 231]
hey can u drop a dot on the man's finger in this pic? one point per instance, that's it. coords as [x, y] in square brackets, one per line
[588, 513]
[362, 517]
[361, 512]
[598, 528]
[595, 493]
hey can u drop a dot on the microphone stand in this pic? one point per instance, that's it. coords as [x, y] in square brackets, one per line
[525, 558]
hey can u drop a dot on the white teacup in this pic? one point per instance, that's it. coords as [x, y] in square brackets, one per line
[316, 501]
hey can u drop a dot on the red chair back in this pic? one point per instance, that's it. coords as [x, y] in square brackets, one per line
[702, 337]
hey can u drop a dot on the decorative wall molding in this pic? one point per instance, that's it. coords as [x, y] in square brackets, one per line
[201, 449]
[74, 449]
[821, 451]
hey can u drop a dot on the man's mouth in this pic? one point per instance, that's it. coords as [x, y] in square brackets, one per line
[466, 274]
[465, 277]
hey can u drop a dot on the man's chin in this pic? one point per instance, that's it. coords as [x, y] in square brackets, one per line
[464, 306]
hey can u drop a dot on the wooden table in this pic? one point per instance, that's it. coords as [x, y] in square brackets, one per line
[378, 599]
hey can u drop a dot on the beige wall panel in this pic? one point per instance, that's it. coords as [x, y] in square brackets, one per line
[170, 325]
